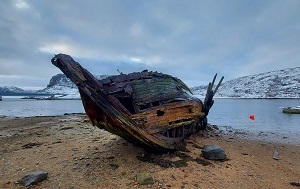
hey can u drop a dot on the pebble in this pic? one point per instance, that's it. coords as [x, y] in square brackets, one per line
[174, 177]
[276, 155]
[144, 178]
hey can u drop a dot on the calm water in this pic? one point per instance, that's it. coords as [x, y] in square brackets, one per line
[269, 124]
[16, 107]
[268, 114]
[225, 112]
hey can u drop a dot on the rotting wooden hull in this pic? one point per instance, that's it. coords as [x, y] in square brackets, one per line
[148, 108]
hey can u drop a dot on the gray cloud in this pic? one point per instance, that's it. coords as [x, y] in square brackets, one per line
[192, 40]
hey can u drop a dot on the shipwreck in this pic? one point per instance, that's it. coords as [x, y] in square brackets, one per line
[149, 108]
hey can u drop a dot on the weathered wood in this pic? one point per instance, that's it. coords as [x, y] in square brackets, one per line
[149, 108]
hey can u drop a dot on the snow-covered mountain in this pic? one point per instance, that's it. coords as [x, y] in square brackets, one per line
[275, 84]
[60, 84]
[10, 91]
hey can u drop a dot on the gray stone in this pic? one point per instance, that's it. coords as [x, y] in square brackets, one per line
[276, 155]
[33, 178]
[144, 178]
[213, 152]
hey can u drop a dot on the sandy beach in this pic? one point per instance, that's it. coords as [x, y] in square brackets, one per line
[77, 155]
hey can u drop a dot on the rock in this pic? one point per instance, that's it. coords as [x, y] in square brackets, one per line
[202, 161]
[295, 184]
[276, 155]
[213, 152]
[144, 178]
[33, 178]
[114, 166]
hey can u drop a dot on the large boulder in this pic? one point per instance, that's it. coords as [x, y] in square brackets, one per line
[33, 178]
[213, 152]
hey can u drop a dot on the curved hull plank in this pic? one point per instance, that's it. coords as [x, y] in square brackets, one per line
[148, 108]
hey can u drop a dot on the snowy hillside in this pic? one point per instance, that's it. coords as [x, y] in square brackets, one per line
[10, 90]
[60, 84]
[276, 84]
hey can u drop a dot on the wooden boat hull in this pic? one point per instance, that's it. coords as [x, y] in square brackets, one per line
[148, 108]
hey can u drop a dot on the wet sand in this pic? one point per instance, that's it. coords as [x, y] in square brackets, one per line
[77, 155]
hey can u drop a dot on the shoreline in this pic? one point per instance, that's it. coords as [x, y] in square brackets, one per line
[264, 136]
[78, 155]
[50, 97]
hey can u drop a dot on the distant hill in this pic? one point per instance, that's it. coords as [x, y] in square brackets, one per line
[11, 91]
[275, 84]
[60, 84]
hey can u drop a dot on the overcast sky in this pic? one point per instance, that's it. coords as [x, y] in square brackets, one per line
[191, 40]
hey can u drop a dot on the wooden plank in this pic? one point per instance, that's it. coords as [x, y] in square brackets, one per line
[179, 111]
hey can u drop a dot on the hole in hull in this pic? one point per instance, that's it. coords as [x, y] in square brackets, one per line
[160, 113]
[127, 103]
